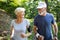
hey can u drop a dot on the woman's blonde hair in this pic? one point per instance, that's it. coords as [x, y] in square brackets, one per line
[19, 9]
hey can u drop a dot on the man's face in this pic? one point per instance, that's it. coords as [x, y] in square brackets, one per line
[42, 11]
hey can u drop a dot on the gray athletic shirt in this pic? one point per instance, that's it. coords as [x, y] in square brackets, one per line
[19, 29]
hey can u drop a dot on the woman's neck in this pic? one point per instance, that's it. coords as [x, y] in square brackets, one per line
[19, 20]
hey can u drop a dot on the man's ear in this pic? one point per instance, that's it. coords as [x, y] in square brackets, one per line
[46, 9]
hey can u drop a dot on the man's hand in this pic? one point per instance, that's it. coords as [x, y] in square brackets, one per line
[40, 37]
[55, 38]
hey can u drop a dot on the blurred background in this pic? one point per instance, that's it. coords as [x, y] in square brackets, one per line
[7, 8]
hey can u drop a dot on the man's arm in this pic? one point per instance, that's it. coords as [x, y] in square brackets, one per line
[38, 36]
[55, 29]
[35, 29]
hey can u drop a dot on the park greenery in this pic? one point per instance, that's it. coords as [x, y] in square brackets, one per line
[53, 6]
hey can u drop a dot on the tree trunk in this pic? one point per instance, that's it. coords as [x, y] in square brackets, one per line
[47, 5]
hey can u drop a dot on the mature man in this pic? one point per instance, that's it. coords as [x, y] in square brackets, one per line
[43, 24]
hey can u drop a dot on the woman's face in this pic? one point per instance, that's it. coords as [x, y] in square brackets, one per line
[20, 14]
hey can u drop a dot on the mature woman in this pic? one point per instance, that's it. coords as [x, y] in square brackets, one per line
[19, 26]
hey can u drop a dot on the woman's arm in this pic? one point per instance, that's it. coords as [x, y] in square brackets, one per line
[11, 32]
[29, 31]
[28, 28]
[27, 34]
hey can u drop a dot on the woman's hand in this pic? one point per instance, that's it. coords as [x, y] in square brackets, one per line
[25, 35]
[28, 34]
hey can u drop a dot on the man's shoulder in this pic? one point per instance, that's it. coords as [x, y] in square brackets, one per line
[49, 14]
[36, 16]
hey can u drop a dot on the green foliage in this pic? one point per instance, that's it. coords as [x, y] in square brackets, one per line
[54, 8]
[59, 30]
[58, 24]
[30, 5]
[10, 6]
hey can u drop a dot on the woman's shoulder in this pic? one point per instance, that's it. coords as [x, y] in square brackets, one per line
[13, 20]
[26, 19]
